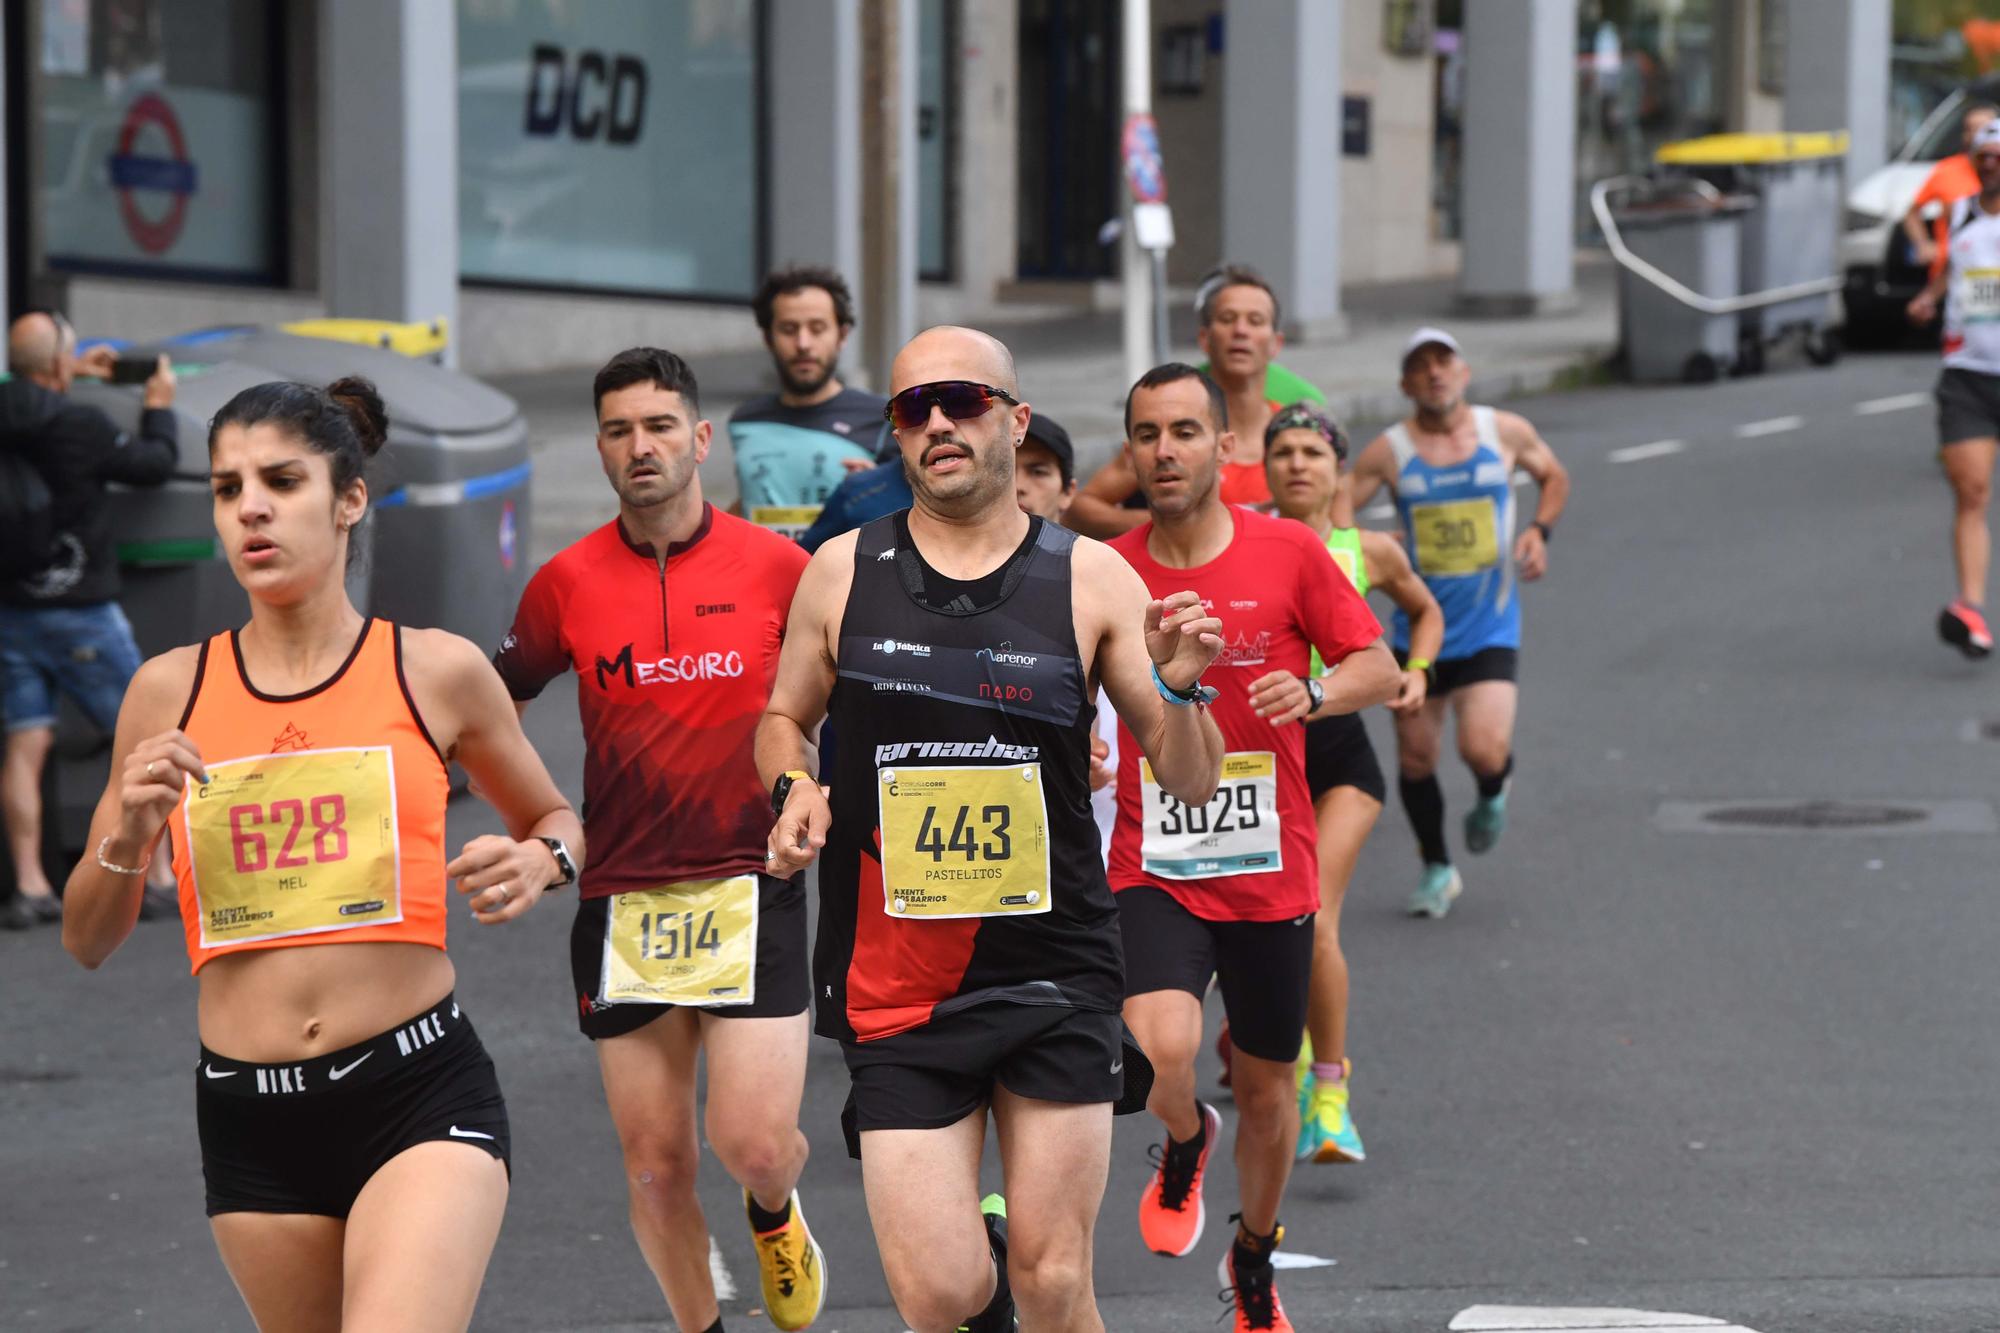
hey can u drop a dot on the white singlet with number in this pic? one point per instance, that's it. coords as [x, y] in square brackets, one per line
[1972, 304]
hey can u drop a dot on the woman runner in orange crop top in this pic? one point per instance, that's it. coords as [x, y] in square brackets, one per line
[299, 766]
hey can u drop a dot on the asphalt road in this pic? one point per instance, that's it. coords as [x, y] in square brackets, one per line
[1742, 1075]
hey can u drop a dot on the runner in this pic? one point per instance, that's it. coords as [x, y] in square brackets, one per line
[353, 1136]
[1229, 887]
[1304, 452]
[968, 951]
[1952, 179]
[1239, 335]
[1968, 392]
[1450, 467]
[793, 447]
[671, 615]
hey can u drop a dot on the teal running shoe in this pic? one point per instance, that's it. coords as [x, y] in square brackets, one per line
[1434, 894]
[1485, 822]
[1303, 1074]
[1327, 1134]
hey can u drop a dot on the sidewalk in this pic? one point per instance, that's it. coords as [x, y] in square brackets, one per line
[1072, 369]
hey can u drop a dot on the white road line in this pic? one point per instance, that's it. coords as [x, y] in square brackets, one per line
[1640, 452]
[1579, 1319]
[1751, 430]
[1898, 403]
[1291, 1259]
[718, 1273]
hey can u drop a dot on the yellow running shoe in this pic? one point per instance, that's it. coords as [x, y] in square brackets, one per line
[1327, 1132]
[792, 1269]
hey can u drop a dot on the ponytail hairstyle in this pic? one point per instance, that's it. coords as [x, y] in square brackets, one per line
[344, 421]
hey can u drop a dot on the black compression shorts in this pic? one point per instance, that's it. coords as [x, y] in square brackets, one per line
[1455, 673]
[1264, 968]
[1339, 754]
[305, 1136]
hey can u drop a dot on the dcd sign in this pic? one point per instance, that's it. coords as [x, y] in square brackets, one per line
[603, 96]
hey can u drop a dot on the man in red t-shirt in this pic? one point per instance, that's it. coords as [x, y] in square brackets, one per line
[1230, 889]
[672, 616]
[1950, 181]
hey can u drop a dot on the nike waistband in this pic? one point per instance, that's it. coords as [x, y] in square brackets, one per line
[441, 1025]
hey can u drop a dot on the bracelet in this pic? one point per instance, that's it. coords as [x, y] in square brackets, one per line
[1197, 693]
[140, 869]
[1417, 664]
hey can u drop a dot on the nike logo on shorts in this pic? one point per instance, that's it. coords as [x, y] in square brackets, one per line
[338, 1074]
[458, 1133]
[1117, 1066]
[212, 1072]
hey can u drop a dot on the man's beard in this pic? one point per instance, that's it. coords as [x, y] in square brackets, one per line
[794, 385]
[673, 480]
[971, 489]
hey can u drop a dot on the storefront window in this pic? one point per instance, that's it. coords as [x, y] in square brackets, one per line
[156, 126]
[612, 145]
[936, 22]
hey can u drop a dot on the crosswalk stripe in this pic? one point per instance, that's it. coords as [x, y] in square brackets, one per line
[1579, 1319]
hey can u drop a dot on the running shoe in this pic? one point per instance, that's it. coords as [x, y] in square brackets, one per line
[1223, 1050]
[998, 1316]
[1326, 1131]
[1434, 895]
[1171, 1214]
[1485, 822]
[1963, 626]
[792, 1268]
[1253, 1292]
[1302, 1074]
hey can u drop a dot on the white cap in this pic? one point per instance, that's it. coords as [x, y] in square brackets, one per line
[1426, 337]
[1988, 138]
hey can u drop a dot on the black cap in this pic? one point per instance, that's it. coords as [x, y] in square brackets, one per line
[1052, 437]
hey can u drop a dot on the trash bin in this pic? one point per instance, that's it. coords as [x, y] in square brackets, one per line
[1697, 243]
[1791, 239]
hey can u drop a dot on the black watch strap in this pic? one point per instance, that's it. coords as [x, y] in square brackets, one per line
[1548, 533]
[1316, 692]
[565, 863]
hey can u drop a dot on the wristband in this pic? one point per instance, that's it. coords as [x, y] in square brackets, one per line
[1198, 693]
[1548, 533]
[1417, 664]
[139, 869]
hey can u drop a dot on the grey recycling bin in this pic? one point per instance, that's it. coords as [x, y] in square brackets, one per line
[1697, 243]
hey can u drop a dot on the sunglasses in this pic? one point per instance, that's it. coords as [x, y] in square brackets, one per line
[960, 400]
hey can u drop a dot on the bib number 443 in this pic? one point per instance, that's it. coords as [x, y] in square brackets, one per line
[993, 822]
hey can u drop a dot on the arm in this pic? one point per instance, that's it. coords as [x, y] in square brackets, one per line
[100, 905]
[455, 683]
[1389, 569]
[1534, 457]
[148, 458]
[1134, 633]
[806, 674]
[1923, 307]
[1097, 509]
[1916, 228]
[1360, 669]
[1373, 469]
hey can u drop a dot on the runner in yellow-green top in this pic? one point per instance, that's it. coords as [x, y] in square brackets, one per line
[1304, 453]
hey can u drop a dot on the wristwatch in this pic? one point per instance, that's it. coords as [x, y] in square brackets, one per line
[1315, 692]
[565, 864]
[782, 788]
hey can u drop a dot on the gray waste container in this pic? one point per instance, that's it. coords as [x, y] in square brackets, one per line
[1697, 243]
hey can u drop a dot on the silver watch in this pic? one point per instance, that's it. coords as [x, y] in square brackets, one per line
[1315, 692]
[565, 864]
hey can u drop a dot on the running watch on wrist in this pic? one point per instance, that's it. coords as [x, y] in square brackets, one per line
[782, 788]
[565, 864]
[1315, 692]
[1548, 533]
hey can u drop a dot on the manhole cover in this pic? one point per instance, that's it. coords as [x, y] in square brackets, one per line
[1815, 815]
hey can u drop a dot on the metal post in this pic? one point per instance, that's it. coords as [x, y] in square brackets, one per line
[889, 186]
[1136, 267]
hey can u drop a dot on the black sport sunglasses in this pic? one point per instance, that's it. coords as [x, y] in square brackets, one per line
[962, 400]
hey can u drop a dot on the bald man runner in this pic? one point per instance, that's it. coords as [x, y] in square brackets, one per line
[968, 953]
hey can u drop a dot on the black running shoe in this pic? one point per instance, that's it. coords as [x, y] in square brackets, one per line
[998, 1316]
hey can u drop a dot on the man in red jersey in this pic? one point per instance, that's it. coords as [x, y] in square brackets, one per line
[672, 616]
[1230, 889]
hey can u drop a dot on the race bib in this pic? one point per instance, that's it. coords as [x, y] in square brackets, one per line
[692, 943]
[790, 520]
[1978, 294]
[1456, 536]
[294, 844]
[960, 842]
[1236, 833]
[1345, 559]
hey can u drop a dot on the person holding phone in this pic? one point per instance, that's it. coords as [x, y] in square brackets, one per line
[354, 1139]
[61, 628]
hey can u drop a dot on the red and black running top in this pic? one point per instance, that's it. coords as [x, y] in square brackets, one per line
[674, 663]
[942, 674]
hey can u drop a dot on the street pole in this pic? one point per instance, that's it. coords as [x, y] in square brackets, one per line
[1136, 43]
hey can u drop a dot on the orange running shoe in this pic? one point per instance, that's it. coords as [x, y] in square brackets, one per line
[1252, 1290]
[1963, 626]
[1171, 1214]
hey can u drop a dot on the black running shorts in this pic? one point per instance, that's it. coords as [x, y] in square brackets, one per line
[1263, 968]
[1968, 406]
[305, 1136]
[1339, 754]
[784, 977]
[938, 1074]
[1455, 673]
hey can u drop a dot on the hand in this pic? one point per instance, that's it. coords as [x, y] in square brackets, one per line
[1531, 554]
[800, 831]
[1922, 309]
[1102, 776]
[97, 362]
[156, 773]
[853, 465]
[1280, 697]
[502, 878]
[1410, 698]
[1182, 638]
[1925, 251]
[160, 385]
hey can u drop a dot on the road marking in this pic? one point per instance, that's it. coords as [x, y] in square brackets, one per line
[1287, 1259]
[1640, 452]
[1901, 402]
[1578, 1319]
[718, 1273]
[1751, 430]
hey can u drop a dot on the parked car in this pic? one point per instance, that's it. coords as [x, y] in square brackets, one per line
[1881, 273]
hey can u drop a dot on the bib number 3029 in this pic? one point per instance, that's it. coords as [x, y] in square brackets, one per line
[959, 842]
[1236, 833]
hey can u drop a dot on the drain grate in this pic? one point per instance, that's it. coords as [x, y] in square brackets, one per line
[1813, 815]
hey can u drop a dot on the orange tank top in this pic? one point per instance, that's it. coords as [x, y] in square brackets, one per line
[1245, 484]
[323, 818]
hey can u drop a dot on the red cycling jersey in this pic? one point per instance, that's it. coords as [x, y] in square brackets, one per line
[1250, 854]
[674, 664]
